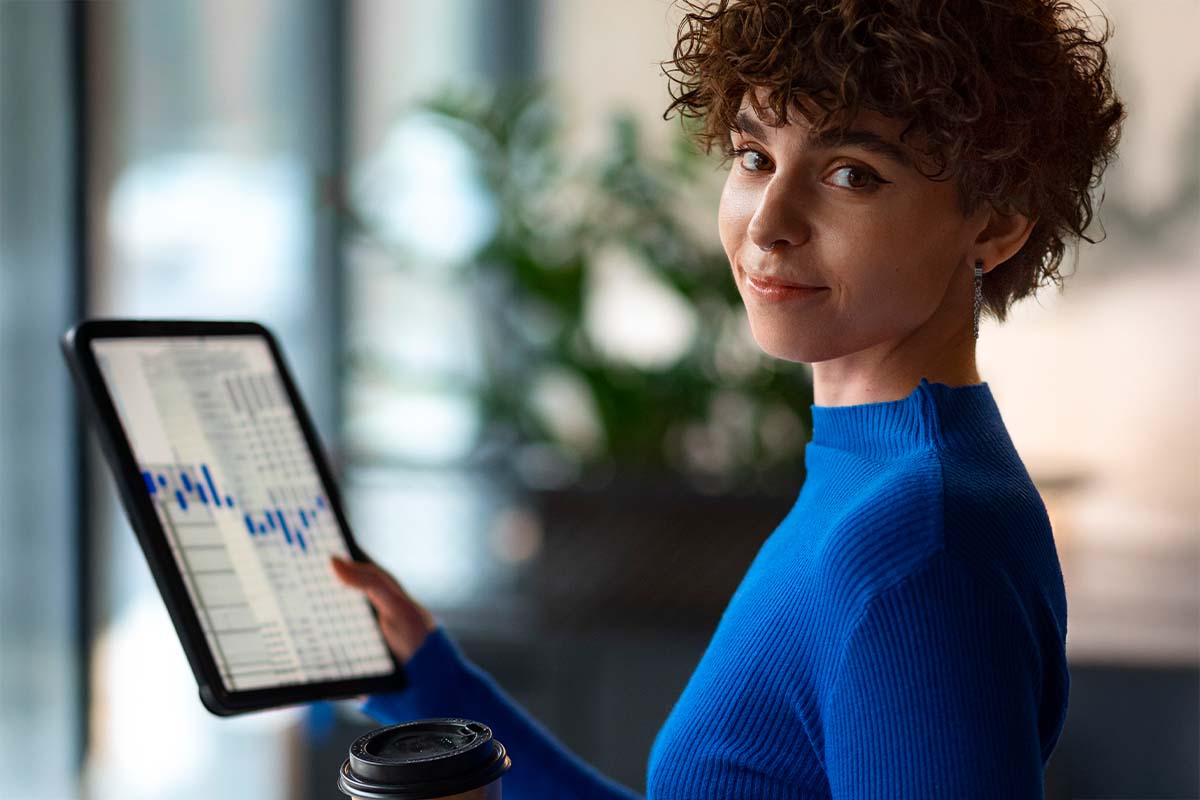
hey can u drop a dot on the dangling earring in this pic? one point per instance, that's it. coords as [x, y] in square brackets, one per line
[978, 292]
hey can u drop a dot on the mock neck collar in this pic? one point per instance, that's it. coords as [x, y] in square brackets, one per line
[931, 415]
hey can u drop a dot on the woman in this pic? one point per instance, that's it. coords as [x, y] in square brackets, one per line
[901, 634]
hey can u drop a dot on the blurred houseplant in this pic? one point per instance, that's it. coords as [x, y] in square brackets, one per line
[582, 379]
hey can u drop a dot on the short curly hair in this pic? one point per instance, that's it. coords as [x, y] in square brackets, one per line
[1013, 98]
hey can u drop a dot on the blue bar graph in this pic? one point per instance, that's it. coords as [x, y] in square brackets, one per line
[276, 519]
[283, 524]
[204, 488]
[211, 485]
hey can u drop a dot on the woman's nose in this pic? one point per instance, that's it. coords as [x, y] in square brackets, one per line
[779, 219]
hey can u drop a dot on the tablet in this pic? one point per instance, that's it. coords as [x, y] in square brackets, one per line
[224, 482]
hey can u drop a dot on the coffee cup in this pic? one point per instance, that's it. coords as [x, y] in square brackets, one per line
[447, 758]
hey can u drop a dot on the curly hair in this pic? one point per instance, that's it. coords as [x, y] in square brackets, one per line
[1013, 98]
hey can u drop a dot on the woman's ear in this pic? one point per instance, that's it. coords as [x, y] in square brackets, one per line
[1001, 237]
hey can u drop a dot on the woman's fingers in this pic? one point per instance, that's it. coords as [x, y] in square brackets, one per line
[385, 602]
[400, 637]
[353, 572]
[371, 579]
[394, 605]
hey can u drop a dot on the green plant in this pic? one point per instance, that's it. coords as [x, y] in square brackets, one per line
[717, 410]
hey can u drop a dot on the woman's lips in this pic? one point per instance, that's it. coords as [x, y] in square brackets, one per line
[767, 289]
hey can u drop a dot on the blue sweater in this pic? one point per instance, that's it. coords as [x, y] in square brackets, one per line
[900, 634]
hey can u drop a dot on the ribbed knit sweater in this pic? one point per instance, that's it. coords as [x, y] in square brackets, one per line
[900, 634]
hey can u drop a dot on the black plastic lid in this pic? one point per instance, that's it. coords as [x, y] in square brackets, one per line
[426, 758]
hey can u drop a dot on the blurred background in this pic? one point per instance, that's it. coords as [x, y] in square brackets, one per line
[494, 269]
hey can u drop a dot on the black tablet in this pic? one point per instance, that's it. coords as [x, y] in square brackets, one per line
[225, 483]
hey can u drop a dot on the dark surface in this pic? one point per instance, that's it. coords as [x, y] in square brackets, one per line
[644, 557]
[1131, 732]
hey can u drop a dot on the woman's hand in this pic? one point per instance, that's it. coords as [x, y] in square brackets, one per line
[405, 622]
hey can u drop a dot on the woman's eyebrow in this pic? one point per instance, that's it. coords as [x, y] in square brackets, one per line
[868, 140]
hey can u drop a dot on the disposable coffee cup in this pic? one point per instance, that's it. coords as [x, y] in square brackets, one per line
[428, 759]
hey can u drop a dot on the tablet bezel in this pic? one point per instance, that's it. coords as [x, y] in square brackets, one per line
[99, 408]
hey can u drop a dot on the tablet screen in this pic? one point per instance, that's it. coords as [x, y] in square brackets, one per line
[227, 468]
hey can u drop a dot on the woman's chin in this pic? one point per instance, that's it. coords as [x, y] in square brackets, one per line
[787, 346]
[787, 336]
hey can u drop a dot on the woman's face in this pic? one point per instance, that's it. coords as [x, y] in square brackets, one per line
[889, 246]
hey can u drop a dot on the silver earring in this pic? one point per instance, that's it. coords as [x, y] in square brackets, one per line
[978, 292]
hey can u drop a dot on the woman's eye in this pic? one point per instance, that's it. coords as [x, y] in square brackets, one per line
[738, 152]
[871, 179]
[863, 179]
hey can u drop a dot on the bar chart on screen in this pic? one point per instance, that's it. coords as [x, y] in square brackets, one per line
[226, 465]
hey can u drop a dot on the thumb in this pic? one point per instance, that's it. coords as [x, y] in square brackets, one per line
[369, 578]
[349, 572]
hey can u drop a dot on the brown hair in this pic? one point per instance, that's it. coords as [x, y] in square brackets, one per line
[1013, 98]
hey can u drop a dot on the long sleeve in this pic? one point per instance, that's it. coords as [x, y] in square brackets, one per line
[444, 683]
[937, 693]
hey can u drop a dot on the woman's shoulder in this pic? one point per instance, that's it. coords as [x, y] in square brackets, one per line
[886, 528]
[922, 509]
